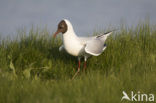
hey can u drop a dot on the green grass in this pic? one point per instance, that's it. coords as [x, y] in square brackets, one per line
[32, 70]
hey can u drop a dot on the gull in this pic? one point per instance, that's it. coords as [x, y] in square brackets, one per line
[80, 46]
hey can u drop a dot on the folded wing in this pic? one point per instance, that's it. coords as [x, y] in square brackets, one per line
[96, 45]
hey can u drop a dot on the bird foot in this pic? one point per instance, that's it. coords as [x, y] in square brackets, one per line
[76, 73]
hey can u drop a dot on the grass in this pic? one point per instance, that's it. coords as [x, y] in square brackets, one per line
[33, 71]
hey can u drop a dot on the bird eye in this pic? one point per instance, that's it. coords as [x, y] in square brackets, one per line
[62, 26]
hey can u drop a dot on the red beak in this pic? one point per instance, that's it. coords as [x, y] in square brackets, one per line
[58, 31]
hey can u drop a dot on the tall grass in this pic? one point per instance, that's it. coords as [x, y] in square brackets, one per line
[32, 70]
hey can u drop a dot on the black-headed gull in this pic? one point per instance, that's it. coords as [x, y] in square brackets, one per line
[80, 46]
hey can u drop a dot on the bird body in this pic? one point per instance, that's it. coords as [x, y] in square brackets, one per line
[80, 46]
[72, 45]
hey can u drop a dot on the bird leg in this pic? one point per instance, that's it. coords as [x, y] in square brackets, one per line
[84, 67]
[85, 63]
[78, 70]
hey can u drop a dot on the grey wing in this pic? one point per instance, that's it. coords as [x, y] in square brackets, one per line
[84, 40]
[102, 37]
[95, 47]
[61, 48]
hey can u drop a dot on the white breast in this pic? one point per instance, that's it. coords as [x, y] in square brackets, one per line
[72, 45]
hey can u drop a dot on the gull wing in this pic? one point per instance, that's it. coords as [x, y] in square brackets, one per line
[102, 37]
[61, 48]
[94, 47]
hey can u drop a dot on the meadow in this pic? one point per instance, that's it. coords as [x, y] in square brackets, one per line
[32, 70]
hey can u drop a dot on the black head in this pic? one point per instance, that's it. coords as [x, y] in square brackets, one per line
[62, 28]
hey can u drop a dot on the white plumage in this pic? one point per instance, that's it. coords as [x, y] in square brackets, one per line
[83, 46]
[80, 46]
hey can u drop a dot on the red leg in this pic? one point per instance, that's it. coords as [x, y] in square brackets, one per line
[78, 70]
[79, 63]
[85, 65]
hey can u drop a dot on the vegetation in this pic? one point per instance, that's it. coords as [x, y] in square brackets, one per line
[32, 70]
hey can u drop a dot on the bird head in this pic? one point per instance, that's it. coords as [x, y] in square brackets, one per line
[62, 28]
